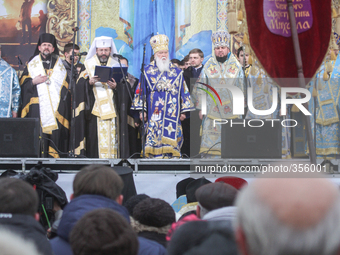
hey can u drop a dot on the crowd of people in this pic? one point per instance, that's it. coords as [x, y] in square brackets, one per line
[229, 216]
[153, 116]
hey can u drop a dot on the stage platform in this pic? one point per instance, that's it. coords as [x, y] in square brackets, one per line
[228, 166]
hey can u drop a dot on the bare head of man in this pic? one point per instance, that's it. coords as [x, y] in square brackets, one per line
[289, 216]
[196, 58]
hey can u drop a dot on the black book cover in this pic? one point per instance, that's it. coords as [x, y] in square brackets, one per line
[103, 72]
[106, 73]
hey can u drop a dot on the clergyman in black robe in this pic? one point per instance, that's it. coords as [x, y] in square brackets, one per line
[45, 95]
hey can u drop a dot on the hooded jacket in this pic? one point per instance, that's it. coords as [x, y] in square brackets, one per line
[83, 204]
[27, 227]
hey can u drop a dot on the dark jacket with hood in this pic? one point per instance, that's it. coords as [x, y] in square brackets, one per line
[27, 227]
[77, 208]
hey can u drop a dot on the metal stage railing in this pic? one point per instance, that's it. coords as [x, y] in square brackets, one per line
[158, 165]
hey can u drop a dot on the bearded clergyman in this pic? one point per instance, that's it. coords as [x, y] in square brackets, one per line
[221, 70]
[167, 103]
[96, 108]
[45, 95]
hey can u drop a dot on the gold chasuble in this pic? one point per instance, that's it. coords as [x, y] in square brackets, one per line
[217, 75]
[105, 111]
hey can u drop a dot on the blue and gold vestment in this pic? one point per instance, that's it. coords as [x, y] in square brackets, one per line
[167, 97]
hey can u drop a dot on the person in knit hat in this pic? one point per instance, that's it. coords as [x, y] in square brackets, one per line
[133, 201]
[152, 219]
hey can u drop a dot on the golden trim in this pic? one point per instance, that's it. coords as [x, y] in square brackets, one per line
[131, 121]
[81, 107]
[328, 121]
[25, 110]
[109, 151]
[23, 78]
[212, 152]
[49, 129]
[325, 151]
[62, 120]
[169, 141]
[80, 147]
[65, 84]
[229, 118]
[83, 75]
[157, 151]
[52, 152]
[328, 101]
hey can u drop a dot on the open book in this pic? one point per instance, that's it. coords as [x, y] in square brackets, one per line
[106, 73]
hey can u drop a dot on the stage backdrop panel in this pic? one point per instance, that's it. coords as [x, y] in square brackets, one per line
[22, 21]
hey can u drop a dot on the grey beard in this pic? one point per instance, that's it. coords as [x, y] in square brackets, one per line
[46, 54]
[103, 60]
[163, 65]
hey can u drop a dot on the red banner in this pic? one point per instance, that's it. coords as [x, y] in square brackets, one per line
[274, 48]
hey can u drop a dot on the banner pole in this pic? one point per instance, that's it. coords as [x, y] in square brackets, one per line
[301, 78]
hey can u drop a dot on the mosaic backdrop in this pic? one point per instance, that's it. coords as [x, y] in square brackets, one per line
[22, 21]
[192, 24]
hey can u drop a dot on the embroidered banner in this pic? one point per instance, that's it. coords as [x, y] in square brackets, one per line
[277, 19]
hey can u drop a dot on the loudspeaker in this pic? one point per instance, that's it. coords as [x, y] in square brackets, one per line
[19, 137]
[243, 140]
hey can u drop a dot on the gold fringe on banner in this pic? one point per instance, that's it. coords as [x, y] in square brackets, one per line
[334, 13]
[337, 25]
[250, 60]
[315, 92]
[253, 70]
[232, 19]
[333, 56]
[325, 75]
[245, 39]
[240, 15]
[329, 66]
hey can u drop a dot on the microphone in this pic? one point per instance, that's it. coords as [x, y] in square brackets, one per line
[20, 62]
[82, 53]
[117, 56]
[75, 29]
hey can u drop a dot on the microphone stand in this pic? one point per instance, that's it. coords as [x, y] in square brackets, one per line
[73, 98]
[142, 87]
[124, 146]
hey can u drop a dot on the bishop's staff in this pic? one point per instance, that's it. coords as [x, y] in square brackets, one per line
[301, 78]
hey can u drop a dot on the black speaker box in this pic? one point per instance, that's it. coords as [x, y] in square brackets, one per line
[19, 137]
[240, 141]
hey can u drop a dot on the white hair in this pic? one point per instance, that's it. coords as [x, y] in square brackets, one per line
[265, 234]
[162, 64]
[12, 244]
[203, 210]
